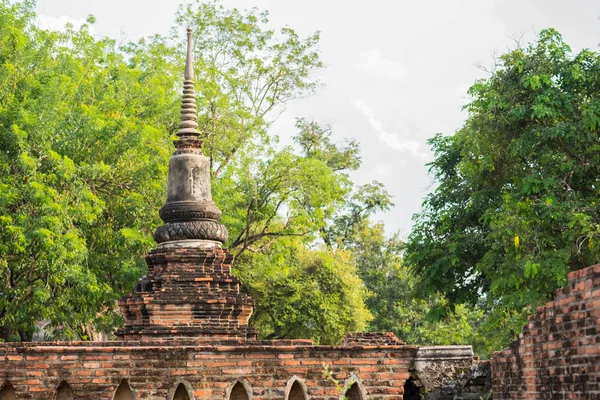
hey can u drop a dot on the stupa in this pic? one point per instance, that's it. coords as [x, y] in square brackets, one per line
[189, 290]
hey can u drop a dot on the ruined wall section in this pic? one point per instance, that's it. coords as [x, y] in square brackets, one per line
[208, 370]
[557, 356]
[449, 373]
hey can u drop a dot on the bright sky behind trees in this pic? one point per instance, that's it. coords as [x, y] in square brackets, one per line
[397, 72]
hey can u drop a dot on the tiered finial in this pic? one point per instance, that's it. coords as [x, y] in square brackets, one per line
[188, 125]
[191, 218]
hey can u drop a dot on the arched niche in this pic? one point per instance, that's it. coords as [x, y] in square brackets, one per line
[413, 389]
[64, 391]
[181, 393]
[124, 391]
[181, 390]
[7, 392]
[296, 390]
[353, 390]
[353, 393]
[239, 390]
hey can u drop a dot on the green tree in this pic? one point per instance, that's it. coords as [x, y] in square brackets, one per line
[354, 217]
[278, 212]
[269, 194]
[305, 293]
[516, 208]
[395, 300]
[379, 261]
[84, 146]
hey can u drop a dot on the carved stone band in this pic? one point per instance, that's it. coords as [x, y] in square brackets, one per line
[184, 230]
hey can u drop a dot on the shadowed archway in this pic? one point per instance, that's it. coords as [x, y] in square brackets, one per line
[7, 392]
[183, 391]
[412, 389]
[64, 391]
[297, 391]
[354, 392]
[124, 391]
[240, 391]
[353, 389]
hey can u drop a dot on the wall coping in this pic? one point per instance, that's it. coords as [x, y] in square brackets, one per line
[444, 353]
[111, 347]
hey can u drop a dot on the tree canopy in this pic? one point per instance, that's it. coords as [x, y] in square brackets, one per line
[82, 163]
[516, 206]
[86, 129]
[85, 137]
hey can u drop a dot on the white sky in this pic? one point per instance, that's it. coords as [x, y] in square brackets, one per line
[397, 71]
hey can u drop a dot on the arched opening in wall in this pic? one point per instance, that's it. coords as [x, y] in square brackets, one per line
[181, 393]
[412, 389]
[297, 392]
[7, 392]
[353, 393]
[124, 392]
[64, 391]
[239, 392]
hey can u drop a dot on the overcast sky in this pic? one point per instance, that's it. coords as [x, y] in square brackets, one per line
[397, 71]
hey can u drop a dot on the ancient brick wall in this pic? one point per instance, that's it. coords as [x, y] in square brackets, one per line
[201, 369]
[557, 356]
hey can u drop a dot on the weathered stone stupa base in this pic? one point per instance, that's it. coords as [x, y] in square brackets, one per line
[188, 292]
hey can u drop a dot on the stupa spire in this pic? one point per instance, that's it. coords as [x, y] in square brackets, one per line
[191, 218]
[188, 125]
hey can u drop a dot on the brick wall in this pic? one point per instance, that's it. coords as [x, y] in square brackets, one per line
[557, 356]
[208, 370]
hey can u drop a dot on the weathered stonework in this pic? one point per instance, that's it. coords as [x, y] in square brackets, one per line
[188, 292]
[450, 373]
[190, 215]
[371, 338]
[557, 356]
[154, 369]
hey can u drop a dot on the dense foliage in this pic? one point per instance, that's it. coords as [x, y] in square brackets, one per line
[516, 208]
[81, 149]
[85, 132]
[85, 140]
